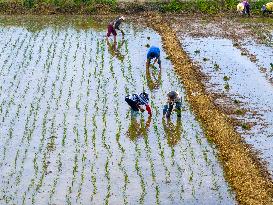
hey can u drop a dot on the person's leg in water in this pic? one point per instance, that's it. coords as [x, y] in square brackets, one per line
[134, 113]
[170, 109]
[178, 108]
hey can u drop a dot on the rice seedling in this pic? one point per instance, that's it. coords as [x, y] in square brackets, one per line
[226, 78]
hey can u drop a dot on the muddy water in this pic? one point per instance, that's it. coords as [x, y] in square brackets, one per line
[249, 82]
[67, 136]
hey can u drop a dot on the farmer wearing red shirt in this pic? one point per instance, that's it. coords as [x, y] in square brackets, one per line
[114, 25]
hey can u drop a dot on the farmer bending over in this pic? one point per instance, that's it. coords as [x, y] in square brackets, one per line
[137, 102]
[268, 8]
[153, 53]
[244, 7]
[114, 25]
[172, 98]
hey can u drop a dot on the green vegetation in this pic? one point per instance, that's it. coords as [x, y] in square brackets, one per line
[226, 78]
[246, 126]
[96, 6]
[240, 112]
[216, 66]
[209, 6]
[226, 86]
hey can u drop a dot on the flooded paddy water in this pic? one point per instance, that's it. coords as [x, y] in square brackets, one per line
[238, 69]
[67, 136]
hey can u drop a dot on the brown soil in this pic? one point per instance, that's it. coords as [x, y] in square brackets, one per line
[243, 171]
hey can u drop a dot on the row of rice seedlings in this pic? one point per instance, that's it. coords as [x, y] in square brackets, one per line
[161, 146]
[11, 93]
[8, 41]
[208, 162]
[75, 127]
[36, 181]
[129, 61]
[13, 119]
[118, 133]
[106, 146]
[50, 146]
[85, 135]
[140, 174]
[59, 163]
[84, 154]
[188, 149]
[41, 90]
[10, 54]
[152, 169]
[21, 72]
[149, 153]
[122, 67]
[204, 151]
[94, 125]
[131, 81]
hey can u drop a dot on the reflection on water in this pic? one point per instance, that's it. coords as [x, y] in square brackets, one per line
[114, 49]
[138, 127]
[153, 77]
[172, 130]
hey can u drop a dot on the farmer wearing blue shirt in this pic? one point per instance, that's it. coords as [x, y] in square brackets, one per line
[153, 53]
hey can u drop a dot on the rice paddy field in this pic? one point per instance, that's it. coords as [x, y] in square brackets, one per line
[67, 135]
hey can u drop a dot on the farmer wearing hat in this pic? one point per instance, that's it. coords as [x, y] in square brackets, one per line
[268, 8]
[114, 25]
[172, 98]
[153, 53]
[138, 102]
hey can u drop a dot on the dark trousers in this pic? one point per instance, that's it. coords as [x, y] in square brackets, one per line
[168, 108]
[247, 10]
[132, 104]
